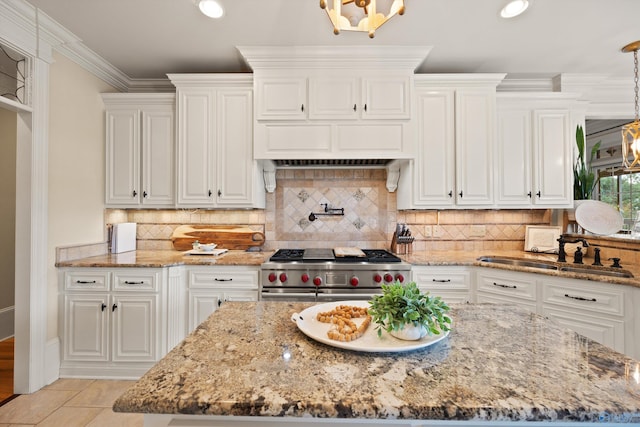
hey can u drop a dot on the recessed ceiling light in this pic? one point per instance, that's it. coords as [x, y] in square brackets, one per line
[514, 8]
[211, 8]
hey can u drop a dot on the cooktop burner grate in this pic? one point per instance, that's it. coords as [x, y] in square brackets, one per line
[379, 256]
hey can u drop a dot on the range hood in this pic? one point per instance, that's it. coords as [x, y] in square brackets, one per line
[391, 166]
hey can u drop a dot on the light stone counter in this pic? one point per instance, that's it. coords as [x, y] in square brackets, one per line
[500, 363]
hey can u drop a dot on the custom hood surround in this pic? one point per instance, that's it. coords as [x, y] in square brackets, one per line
[333, 106]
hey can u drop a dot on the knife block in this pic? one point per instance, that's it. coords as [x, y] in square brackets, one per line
[401, 245]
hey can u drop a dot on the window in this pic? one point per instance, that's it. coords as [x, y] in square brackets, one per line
[620, 189]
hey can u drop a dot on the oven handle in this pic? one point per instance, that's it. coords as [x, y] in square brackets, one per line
[288, 295]
[345, 297]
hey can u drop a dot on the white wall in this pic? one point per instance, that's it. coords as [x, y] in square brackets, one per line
[7, 219]
[76, 166]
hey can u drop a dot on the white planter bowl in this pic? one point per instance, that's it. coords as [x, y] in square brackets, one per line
[410, 333]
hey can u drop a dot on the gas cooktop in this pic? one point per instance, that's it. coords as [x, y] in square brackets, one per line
[327, 255]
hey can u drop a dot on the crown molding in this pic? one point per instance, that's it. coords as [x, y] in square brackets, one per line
[336, 57]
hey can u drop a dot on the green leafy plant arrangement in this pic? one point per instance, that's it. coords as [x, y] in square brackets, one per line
[584, 180]
[400, 305]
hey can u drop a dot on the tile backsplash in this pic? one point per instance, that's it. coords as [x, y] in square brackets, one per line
[369, 219]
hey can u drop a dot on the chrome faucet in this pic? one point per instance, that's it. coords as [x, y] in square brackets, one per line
[561, 242]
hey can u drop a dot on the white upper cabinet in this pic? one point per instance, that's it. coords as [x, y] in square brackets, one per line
[282, 98]
[534, 146]
[333, 103]
[455, 133]
[215, 164]
[330, 95]
[140, 150]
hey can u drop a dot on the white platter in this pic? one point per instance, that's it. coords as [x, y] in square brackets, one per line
[598, 217]
[369, 342]
[212, 252]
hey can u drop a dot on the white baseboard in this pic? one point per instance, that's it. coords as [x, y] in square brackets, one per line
[52, 360]
[7, 322]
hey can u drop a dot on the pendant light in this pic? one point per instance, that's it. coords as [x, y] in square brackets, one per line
[631, 131]
[361, 15]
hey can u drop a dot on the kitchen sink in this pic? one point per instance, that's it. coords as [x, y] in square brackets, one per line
[517, 262]
[595, 271]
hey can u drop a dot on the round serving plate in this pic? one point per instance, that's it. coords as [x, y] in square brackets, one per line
[370, 342]
[598, 218]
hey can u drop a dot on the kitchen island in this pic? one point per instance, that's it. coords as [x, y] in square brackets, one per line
[248, 363]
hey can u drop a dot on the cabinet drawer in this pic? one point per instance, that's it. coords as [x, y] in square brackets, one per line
[430, 279]
[514, 286]
[226, 278]
[84, 280]
[585, 296]
[136, 281]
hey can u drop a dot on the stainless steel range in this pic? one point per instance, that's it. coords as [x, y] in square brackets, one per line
[320, 275]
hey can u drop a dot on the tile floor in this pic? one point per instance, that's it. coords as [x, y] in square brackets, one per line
[70, 403]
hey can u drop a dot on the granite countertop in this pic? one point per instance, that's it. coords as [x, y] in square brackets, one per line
[498, 363]
[166, 258]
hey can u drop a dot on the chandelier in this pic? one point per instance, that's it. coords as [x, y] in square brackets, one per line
[361, 15]
[631, 131]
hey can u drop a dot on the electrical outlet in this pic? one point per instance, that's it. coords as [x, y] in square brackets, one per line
[477, 231]
[427, 231]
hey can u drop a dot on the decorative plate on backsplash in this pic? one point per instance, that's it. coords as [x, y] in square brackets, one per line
[598, 218]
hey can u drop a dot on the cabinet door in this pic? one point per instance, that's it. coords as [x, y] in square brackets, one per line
[203, 302]
[86, 327]
[435, 161]
[235, 164]
[552, 158]
[134, 324]
[281, 98]
[123, 156]
[158, 169]
[334, 98]
[475, 123]
[386, 97]
[513, 154]
[196, 148]
[607, 331]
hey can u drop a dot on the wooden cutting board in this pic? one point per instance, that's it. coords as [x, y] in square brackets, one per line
[225, 236]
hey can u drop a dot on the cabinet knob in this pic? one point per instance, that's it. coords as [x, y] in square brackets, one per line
[219, 193]
[144, 194]
[210, 193]
[219, 302]
[113, 307]
[460, 193]
[355, 107]
[538, 193]
[134, 193]
[450, 193]
[103, 307]
[529, 194]
[302, 108]
[365, 108]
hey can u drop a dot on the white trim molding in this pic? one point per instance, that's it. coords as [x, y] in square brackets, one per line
[7, 324]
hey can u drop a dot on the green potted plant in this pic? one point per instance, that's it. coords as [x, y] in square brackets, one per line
[406, 313]
[584, 179]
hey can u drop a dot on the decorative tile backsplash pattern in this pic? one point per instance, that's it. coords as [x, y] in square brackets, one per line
[369, 220]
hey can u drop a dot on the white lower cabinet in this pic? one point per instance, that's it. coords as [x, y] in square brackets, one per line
[111, 322]
[452, 284]
[600, 311]
[210, 287]
[507, 287]
[595, 310]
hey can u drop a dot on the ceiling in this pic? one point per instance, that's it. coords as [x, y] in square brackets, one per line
[149, 38]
